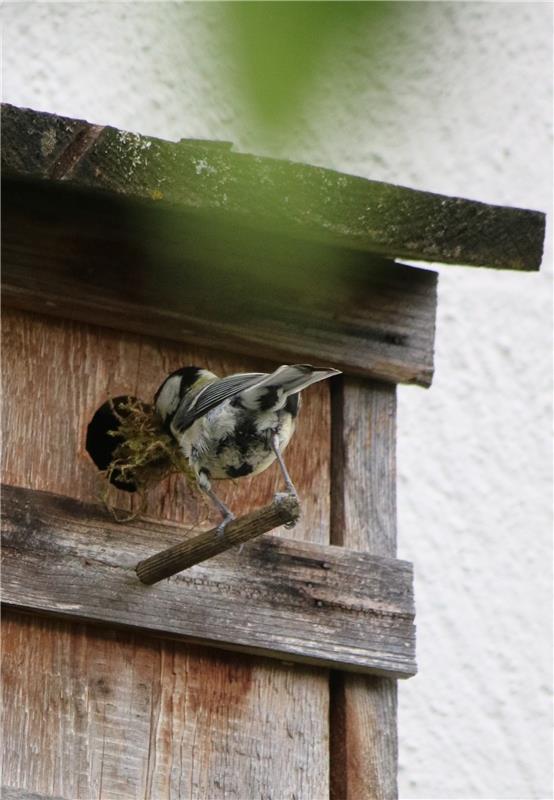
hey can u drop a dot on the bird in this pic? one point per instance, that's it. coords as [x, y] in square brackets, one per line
[234, 426]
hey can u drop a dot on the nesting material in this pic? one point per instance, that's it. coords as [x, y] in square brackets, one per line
[127, 442]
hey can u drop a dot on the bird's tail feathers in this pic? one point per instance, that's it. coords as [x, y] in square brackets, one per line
[285, 381]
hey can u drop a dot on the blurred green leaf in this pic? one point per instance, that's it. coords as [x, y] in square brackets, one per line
[279, 48]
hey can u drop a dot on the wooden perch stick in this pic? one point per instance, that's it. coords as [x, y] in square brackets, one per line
[210, 543]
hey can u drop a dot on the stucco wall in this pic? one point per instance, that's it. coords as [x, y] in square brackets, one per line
[457, 101]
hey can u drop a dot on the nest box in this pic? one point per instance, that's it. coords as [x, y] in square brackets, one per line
[256, 674]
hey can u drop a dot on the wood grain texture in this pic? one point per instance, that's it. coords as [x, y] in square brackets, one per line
[194, 278]
[315, 604]
[120, 715]
[147, 718]
[364, 466]
[316, 203]
[364, 745]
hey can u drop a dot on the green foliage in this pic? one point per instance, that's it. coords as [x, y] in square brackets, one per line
[279, 48]
[264, 258]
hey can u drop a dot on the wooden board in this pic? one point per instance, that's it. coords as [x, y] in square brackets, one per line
[92, 713]
[318, 204]
[205, 279]
[364, 743]
[145, 718]
[316, 604]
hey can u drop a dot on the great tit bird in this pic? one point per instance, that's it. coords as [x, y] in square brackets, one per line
[234, 426]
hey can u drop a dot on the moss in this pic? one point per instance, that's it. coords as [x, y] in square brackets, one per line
[145, 454]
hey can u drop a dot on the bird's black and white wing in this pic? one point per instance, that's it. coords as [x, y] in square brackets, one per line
[211, 396]
[260, 391]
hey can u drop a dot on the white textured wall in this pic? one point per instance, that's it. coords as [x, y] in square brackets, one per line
[458, 101]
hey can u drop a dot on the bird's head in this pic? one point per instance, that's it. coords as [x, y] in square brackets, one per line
[184, 381]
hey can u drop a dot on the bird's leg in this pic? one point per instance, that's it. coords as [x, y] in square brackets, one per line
[291, 491]
[226, 513]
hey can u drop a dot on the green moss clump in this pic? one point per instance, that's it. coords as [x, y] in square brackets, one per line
[145, 455]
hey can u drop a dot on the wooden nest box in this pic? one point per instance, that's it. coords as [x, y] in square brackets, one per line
[125, 257]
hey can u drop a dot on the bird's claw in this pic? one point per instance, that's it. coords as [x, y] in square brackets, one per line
[220, 530]
[279, 497]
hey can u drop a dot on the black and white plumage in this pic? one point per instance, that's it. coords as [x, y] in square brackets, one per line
[234, 426]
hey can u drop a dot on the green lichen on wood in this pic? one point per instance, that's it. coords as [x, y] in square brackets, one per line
[309, 202]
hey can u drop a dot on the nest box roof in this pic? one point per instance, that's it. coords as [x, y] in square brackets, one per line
[191, 240]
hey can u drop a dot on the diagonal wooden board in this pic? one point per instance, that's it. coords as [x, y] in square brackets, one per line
[290, 600]
[318, 204]
[190, 241]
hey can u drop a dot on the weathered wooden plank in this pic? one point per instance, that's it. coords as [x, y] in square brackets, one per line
[315, 604]
[363, 514]
[364, 746]
[138, 717]
[192, 278]
[317, 203]
[95, 713]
